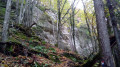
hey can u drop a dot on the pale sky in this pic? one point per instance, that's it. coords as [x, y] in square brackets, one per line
[78, 3]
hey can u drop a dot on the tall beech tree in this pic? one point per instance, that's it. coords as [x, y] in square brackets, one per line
[59, 23]
[17, 11]
[6, 22]
[103, 33]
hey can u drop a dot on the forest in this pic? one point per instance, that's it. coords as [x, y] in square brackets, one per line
[59, 33]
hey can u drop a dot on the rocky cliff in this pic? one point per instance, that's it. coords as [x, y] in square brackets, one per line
[46, 29]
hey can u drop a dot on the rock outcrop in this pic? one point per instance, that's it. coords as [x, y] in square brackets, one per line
[46, 29]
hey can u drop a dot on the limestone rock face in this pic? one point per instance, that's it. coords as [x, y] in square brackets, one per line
[46, 29]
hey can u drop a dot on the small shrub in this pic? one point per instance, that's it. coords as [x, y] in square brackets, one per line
[56, 45]
[43, 42]
[41, 49]
[52, 49]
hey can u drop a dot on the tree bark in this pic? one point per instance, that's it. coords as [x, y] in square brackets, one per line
[59, 24]
[73, 27]
[21, 10]
[103, 33]
[17, 11]
[6, 22]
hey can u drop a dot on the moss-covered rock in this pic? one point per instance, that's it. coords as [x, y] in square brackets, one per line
[2, 11]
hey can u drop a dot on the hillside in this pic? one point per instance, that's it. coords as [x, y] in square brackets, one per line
[59, 33]
[24, 51]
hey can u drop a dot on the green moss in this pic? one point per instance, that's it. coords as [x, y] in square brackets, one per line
[54, 58]
[43, 42]
[33, 39]
[73, 58]
[12, 39]
[1, 21]
[55, 21]
[52, 50]
[37, 38]
[16, 36]
[36, 29]
[21, 35]
[42, 8]
[2, 12]
[47, 16]
[40, 49]
[10, 49]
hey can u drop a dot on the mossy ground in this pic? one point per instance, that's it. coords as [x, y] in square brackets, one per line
[55, 56]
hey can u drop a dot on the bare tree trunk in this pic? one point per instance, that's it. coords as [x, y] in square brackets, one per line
[24, 10]
[109, 25]
[95, 33]
[17, 11]
[20, 15]
[73, 47]
[28, 15]
[103, 33]
[73, 27]
[59, 24]
[6, 22]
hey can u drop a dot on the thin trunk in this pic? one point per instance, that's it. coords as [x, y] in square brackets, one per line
[59, 24]
[94, 34]
[73, 47]
[24, 10]
[63, 5]
[20, 15]
[103, 34]
[17, 11]
[73, 27]
[68, 10]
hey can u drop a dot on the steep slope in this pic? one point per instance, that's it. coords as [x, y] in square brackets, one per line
[22, 50]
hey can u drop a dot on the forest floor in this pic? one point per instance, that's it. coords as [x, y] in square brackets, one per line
[31, 51]
[53, 57]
